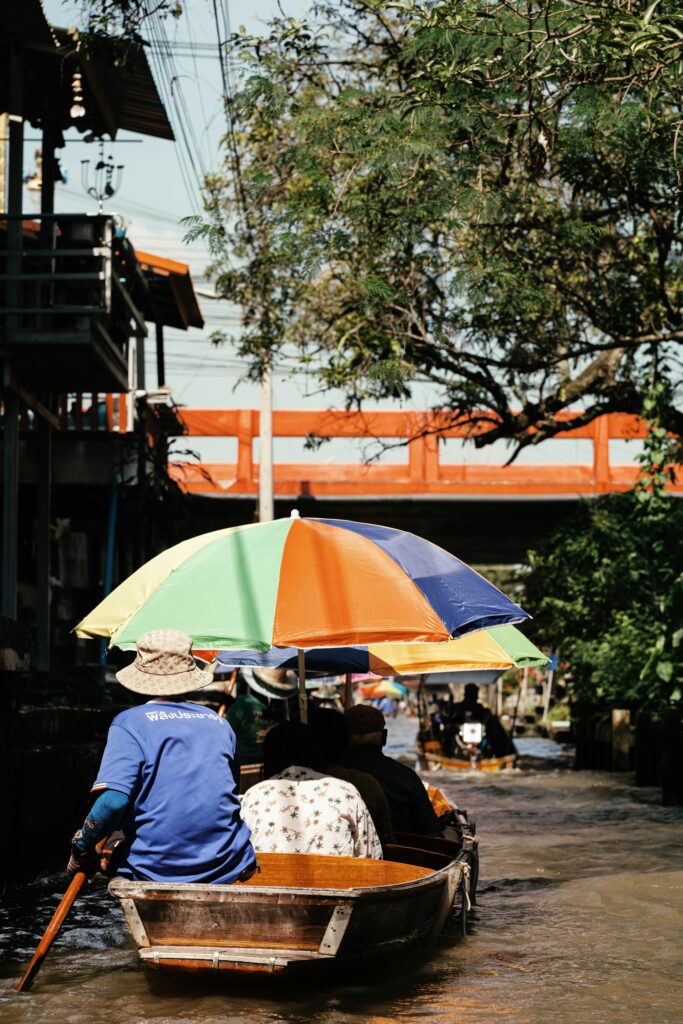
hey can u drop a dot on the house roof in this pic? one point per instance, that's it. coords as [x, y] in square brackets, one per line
[119, 91]
[172, 297]
[117, 85]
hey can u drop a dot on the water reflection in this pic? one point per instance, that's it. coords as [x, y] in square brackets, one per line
[580, 918]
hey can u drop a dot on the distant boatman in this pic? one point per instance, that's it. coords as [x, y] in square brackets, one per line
[168, 778]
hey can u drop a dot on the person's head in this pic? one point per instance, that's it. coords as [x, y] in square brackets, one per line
[331, 732]
[367, 726]
[287, 744]
[471, 691]
[164, 666]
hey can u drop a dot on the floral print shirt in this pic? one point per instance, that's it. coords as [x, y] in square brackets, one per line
[301, 811]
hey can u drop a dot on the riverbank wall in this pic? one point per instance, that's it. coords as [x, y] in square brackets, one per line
[52, 734]
[622, 741]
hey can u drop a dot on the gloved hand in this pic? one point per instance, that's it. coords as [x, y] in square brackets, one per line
[79, 861]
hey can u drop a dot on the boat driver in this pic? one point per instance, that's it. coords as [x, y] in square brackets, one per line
[494, 740]
[169, 778]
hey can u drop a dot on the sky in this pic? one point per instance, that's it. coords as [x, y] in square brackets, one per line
[161, 185]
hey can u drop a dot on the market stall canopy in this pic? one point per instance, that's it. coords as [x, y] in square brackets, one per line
[302, 583]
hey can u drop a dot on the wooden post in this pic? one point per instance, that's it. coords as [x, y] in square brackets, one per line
[10, 468]
[547, 691]
[303, 700]
[140, 375]
[161, 364]
[348, 691]
[10, 495]
[130, 394]
[524, 687]
[43, 545]
[672, 758]
[4, 149]
[47, 188]
[622, 739]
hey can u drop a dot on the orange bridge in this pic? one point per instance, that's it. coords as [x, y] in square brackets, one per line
[424, 474]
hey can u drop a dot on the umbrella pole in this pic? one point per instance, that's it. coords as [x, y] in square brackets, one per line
[348, 691]
[303, 701]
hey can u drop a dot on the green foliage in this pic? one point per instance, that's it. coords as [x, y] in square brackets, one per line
[485, 195]
[124, 20]
[607, 591]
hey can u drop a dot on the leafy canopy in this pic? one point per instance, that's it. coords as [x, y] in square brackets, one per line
[483, 195]
[607, 590]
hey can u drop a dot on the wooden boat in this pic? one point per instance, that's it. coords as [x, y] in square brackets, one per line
[302, 910]
[431, 752]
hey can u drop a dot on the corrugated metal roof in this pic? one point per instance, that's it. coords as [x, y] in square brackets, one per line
[120, 81]
[118, 86]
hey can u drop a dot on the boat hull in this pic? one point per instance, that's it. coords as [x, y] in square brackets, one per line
[317, 912]
[431, 754]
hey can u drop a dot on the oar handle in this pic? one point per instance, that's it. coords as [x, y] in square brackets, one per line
[52, 931]
[54, 927]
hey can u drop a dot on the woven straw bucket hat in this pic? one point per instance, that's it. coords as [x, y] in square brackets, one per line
[164, 666]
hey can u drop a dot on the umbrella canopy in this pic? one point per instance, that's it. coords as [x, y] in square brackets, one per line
[385, 689]
[301, 583]
[498, 648]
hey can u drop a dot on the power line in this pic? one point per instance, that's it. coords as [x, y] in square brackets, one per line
[180, 156]
[169, 81]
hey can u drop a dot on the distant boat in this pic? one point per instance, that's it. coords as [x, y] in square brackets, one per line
[431, 752]
[304, 911]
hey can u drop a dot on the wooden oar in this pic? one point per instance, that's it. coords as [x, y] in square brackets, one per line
[54, 928]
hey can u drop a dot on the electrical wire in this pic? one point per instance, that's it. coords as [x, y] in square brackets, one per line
[171, 87]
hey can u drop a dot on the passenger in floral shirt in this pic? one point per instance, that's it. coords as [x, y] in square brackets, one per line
[298, 809]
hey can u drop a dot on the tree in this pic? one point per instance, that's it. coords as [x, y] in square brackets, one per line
[124, 20]
[607, 589]
[483, 195]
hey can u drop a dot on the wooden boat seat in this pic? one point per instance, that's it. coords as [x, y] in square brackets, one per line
[314, 871]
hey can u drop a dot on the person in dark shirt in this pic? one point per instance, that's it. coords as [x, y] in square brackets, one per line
[331, 731]
[469, 709]
[409, 804]
[495, 741]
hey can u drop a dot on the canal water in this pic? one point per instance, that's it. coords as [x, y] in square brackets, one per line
[579, 919]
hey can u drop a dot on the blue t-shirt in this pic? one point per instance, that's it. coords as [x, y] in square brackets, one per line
[176, 762]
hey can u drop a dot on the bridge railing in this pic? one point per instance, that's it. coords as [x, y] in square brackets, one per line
[424, 473]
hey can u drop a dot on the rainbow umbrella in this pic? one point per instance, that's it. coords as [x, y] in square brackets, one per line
[500, 647]
[385, 689]
[303, 583]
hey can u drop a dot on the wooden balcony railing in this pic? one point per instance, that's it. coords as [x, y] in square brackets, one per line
[71, 296]
[91, 412]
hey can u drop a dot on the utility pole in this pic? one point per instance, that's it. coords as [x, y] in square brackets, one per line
[266, 508]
